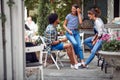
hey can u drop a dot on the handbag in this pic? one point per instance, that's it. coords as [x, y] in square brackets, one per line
[95, 39]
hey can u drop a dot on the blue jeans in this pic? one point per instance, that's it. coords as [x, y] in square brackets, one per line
[76, 42]
[57, 46]
[94, 48]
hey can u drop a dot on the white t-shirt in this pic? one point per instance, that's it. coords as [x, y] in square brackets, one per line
[99, 26]
[31, 25]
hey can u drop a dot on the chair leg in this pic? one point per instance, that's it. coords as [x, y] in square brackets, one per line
[40, 73]
[45, 61]
[61, 63]
[58, 59]
[106, 65]
[99, 58]
[42, 76]
[102, 65]
[98, 63]
[38, 78]
[26, 78]
[55, 62]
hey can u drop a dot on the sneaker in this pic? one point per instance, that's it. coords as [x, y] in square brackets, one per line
[86, 67]
[83, 64]
[79, 64]
[74, 66]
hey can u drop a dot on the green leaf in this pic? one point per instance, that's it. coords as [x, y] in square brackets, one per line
[113, 45]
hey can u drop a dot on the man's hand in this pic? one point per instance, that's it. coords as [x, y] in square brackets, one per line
[63, 39]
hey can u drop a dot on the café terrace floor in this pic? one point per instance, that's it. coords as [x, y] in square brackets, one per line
[66, 73]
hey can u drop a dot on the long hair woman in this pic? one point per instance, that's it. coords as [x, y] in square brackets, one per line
[71, 24]
[95, 42]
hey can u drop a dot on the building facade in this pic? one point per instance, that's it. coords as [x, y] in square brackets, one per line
[109, 8]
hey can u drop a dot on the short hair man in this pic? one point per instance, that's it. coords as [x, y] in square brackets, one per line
[57, 44]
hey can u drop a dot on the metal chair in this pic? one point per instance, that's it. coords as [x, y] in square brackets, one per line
[36, 64]
[57, 52]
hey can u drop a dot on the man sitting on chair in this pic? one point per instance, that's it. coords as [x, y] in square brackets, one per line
[53, 43]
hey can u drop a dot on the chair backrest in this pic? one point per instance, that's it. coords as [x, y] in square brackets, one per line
[82, 37]
[43, 41]
[35, 49]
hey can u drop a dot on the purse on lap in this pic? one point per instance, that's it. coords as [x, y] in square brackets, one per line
[95, 38]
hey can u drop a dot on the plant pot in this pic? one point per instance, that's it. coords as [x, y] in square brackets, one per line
[113, 59]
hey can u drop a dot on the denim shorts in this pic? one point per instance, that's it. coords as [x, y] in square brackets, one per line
[57, 47]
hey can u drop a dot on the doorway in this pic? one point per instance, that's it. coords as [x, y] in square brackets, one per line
[116, 8]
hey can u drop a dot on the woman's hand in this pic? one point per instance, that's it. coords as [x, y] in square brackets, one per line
[70, 32]
[78, 10]
[79, 15]
[95, 39]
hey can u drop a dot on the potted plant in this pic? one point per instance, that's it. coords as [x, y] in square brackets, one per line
[111, 53]
[111, 43]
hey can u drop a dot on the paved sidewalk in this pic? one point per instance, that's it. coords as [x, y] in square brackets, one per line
[66, 73]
